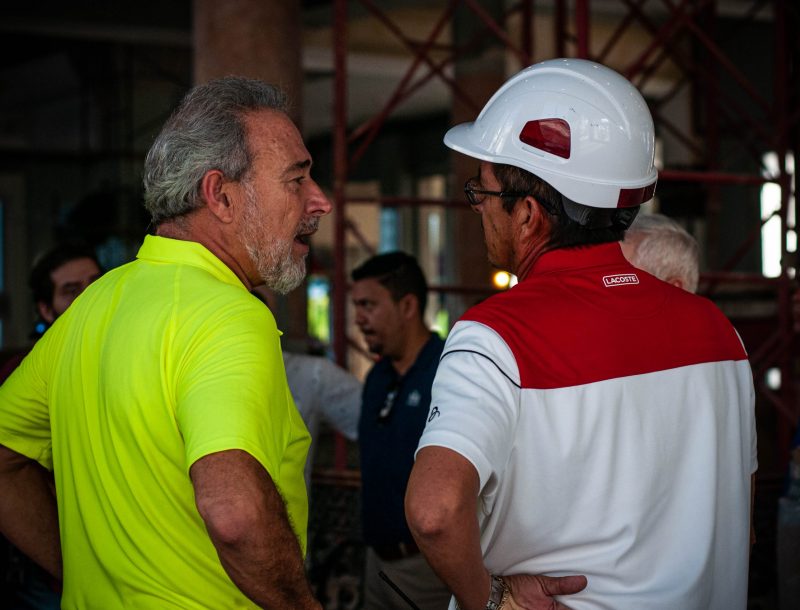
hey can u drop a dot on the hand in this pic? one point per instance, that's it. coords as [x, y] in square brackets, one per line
[529, 592]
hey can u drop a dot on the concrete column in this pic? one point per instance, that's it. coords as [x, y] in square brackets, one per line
[480, 75]
[259, 39]
[255, 38]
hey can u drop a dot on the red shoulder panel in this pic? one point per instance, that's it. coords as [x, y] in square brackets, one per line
[576, 327]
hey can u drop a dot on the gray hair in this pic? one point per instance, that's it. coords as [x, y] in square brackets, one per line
[663, 248]
[205, 132]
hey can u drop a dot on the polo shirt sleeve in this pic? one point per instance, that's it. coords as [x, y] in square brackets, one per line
[231, 390]
[24, 411]
[475, 401]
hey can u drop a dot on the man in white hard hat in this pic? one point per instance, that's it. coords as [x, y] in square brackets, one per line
[659, 245]
[592, 420]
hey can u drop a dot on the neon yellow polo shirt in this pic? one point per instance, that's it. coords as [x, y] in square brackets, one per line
[157, 364]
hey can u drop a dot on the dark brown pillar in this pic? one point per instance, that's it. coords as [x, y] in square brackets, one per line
[480, 74]
[259, 39]
[469, 248]
[255, 38]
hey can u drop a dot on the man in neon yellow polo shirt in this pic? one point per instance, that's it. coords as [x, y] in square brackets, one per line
[159, 399]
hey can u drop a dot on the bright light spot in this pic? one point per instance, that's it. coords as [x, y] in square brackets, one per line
[771, 230]
[501, 279]
[774, 379]
[441, 323]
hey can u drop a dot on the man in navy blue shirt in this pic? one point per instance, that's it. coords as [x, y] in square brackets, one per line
[389, 294]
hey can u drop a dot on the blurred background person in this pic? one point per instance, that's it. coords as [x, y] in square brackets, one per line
[389, 295]
[57, 278]
[322, 391]
[659, 245]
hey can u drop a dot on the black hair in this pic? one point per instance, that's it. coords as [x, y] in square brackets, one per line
[573, 224]
[40, 281]
[399, 273]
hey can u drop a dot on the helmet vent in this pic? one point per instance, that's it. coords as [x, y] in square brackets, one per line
[549, 135]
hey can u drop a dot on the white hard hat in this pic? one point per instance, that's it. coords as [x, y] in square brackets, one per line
[577, 125]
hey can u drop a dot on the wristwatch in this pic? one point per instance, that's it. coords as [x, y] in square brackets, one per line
[498, 594]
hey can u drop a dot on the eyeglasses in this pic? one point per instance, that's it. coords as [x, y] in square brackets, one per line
[476, 196]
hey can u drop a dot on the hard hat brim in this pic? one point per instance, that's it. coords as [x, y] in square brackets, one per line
[461, 138]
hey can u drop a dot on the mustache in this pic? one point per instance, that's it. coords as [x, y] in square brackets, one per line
[309, 225]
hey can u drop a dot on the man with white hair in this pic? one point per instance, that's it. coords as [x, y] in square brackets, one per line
[659, 245]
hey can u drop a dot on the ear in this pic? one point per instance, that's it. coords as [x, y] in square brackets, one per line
[216, 192]
[529, 218]
[46, 312]
[675, 281]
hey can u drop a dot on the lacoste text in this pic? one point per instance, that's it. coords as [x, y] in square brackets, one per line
[619, 280]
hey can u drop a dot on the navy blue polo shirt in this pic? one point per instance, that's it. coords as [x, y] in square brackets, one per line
[388, 434]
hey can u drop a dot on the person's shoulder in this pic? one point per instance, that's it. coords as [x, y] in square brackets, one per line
[703, 310]
[435, 343]
[503, 305]
[197, 281]
[428, 358]
[437, 348]
[681, 299]
[226, 306]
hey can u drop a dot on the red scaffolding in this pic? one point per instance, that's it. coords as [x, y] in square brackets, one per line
[669, 25]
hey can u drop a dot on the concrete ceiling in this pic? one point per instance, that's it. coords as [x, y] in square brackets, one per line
[50, 49]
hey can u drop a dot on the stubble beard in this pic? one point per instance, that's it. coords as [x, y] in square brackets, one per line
[273, 258]
[375, 348]
[492, 255]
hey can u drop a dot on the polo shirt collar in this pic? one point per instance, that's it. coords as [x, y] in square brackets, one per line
[182, 252]
[578, 257]
[428, 352]
[426, 355]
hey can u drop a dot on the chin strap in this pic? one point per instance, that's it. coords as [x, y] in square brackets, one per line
[599, 218]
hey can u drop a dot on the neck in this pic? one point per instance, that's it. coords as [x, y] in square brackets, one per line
[533, 229]
[198, 227]
[528, 260]
[415, 341]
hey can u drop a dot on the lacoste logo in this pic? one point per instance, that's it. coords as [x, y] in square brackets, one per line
[620, 280]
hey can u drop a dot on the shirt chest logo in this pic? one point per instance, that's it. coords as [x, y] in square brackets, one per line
[620, 280]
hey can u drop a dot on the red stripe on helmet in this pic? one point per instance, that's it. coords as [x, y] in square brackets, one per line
[549, 135]
[629, 198]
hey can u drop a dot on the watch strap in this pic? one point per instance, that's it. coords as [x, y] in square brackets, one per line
[498, 594]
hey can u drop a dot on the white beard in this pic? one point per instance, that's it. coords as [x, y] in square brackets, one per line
[272, 258]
